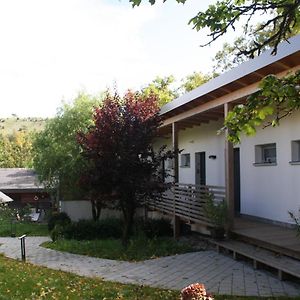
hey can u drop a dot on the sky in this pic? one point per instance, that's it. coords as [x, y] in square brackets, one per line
[53, 49]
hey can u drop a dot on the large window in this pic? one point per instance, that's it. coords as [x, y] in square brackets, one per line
[185, 160]
[265, 154]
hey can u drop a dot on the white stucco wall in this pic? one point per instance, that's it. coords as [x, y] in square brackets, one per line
[266, 191]
[270, 191]
[199, 139]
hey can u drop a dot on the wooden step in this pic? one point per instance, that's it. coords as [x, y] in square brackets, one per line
[281, 263]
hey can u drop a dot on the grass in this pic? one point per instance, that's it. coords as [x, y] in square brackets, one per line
[14, 124]
[31, 229]
[25, 281]
[137, 250]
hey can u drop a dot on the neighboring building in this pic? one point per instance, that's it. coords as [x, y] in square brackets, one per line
[23, 187]
[262, 174]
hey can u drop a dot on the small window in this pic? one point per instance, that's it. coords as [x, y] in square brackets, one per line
[295, 151]
[185, 160]
[265, 154]
[170, 163]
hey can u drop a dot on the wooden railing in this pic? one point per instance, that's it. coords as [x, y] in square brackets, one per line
[187, 201]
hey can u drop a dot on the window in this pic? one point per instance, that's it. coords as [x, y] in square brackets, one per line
[170, 163]
[185, 160]
[265, 154]
[295, 151]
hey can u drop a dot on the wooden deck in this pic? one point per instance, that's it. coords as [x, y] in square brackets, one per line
[273, 237]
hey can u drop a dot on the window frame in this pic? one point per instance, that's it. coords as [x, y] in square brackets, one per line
[261, 157]
[185, 160]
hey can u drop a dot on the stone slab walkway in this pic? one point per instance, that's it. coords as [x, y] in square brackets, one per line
[219, 273]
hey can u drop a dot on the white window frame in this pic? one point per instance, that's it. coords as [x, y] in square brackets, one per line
[260, 155]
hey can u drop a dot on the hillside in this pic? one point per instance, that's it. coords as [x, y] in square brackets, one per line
[14, 124]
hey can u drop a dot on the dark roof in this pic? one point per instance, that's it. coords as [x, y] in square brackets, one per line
[19, 179]
[288, 56]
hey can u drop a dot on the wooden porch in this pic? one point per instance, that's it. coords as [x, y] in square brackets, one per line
[185, 202]
[282, 240]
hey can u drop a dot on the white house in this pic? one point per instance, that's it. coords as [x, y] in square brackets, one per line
[262, 174]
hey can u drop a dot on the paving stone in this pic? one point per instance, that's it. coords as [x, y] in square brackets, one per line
[219, 273]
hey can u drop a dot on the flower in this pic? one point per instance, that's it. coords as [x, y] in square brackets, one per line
[195, 291]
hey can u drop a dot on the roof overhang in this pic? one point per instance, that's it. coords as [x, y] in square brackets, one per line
[206, 102]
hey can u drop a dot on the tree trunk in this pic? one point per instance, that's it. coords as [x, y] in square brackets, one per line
[96, 209]
[128, 212]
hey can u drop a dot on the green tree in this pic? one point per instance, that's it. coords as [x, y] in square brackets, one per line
[161, 88]
[194, 80]
[16, 150]
[282, 20]
[282, 16]
[232, 55]
[276, 99]
[57, 157]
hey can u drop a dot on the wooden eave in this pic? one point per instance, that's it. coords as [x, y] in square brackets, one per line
[205, 103]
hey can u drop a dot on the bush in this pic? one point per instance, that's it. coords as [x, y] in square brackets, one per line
[61, 219]
[112, 228]
[154, 227]
[91, 230]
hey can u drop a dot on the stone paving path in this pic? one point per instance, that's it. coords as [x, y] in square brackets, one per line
[219, 273]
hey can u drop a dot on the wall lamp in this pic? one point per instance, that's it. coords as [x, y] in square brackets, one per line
[212, 156]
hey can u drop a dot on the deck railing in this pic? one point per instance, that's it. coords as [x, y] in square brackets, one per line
[187, 201]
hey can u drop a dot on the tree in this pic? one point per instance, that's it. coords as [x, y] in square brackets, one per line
[161, 88]
[282, 17]
[194, 80]
[276, 99]
[16, 150]
[232, 55]
[57, 157]
[282, 20]
[123, 165]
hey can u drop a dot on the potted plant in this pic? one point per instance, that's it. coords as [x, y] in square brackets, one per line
[216, 212]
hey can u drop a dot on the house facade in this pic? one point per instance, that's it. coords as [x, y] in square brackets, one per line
[23, 186]
[261, 175]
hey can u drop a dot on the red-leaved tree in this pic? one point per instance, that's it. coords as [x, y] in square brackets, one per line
[123, 165]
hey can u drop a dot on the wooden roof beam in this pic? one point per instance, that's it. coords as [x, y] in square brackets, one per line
[234, 96]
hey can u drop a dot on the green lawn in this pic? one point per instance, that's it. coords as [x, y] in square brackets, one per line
[24, 281]
[32, 229]
[137, 250]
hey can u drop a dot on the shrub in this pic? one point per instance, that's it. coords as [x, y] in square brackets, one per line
[61, 219]
[57, 232]
[90, 230]
[154, 227]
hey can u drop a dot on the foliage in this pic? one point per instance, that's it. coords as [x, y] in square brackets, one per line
[57, 157]
[296, 219]
[161, 88]
[16, 150]
[123, 165]
[276, 99]
[26, 281]
[139, 248]
[90, 229]
[154, 227]
[61, 219]
[282, 17]
[232, 55]
[215, 211]
[194, 80]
